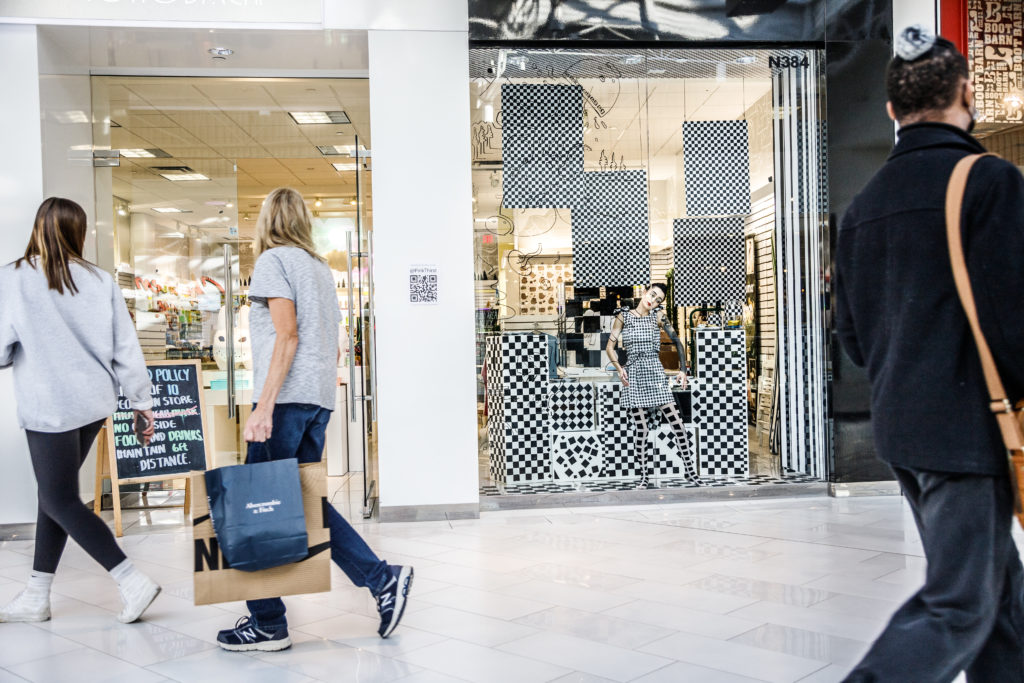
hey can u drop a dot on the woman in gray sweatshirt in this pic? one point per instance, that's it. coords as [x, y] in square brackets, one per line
[66, 331]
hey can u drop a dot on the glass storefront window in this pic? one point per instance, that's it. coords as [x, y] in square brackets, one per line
[598, 172]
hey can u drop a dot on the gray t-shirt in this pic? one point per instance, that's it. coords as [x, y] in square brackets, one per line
[291, 273]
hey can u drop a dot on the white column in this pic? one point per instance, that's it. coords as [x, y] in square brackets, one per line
[422, 190]
[21, 191]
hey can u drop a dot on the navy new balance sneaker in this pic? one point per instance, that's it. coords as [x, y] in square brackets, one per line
[391, 600]
[245, 637]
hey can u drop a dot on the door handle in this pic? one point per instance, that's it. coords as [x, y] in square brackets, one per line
[351, 334]
[229, 322]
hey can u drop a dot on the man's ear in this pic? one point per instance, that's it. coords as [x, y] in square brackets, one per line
[968, 95]
[890, 111]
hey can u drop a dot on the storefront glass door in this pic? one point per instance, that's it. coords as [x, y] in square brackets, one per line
[190, 162]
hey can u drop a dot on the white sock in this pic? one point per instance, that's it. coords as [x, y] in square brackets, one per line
[39, 583]
[124, 572]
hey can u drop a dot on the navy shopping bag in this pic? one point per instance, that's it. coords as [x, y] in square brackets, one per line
[257, 514]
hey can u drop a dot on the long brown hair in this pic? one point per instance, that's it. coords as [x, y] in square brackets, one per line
[58, 237]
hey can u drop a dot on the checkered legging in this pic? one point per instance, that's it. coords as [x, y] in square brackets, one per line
[675, 421]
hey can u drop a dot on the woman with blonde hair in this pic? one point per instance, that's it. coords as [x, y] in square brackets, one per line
[293, 324]
[66, 330]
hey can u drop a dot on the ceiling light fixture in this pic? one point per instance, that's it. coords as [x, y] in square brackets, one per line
[230, 205]
[318, 203]
[312, 117]
[221, 52]
[150, 153]
[121, 211]
[344, 167]
[168, 209]
[175, 177]
[352, 202]
[341, 150]
[629, 60]
[746, 59]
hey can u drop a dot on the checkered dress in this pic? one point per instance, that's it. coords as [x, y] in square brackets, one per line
[648, 384]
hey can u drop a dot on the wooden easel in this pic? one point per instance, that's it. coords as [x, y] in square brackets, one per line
[106, 466]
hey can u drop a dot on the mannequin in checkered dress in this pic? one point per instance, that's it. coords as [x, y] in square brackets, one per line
[646, 385]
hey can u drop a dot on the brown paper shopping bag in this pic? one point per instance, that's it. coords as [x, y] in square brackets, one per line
[215, 582]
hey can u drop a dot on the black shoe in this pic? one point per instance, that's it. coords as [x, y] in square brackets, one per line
[245, 637]
[391, 600]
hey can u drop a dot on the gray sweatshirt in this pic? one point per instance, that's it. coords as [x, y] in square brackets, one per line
[70, 352]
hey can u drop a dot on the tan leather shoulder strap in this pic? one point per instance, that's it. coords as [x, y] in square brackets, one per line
[954, 206]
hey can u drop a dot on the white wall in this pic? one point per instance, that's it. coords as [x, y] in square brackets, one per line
[21, 190]
[422, 192]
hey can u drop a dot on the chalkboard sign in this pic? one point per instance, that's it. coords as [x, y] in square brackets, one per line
[178, 444]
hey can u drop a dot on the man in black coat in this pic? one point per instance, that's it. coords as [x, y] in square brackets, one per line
[899, 316]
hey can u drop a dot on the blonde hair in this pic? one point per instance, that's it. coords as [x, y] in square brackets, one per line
[285, 221]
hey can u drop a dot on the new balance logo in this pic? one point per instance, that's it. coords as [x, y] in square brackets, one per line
[248, 634]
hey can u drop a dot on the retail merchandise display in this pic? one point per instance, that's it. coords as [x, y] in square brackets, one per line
[543, 429]
[594, 255]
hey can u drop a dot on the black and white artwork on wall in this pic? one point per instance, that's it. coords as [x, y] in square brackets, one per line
[610, 235]
[716, 160]
[541, 144]
[709, 260]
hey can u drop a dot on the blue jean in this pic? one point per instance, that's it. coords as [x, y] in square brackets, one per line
[299, 432]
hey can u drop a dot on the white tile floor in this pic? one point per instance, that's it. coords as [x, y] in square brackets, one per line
[756, 590]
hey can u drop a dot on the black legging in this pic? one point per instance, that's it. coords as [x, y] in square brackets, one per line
[56, 459]
[675, 421]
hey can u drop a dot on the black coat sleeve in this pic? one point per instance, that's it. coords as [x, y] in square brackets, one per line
[993, 231]
[845, 328]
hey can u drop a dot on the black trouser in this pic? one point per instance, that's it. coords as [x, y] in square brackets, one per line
[969, 615]
[56, 459]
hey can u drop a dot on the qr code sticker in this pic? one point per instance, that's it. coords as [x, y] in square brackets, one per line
[423, 289]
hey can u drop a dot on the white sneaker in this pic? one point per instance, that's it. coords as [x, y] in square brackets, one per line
[137, 593]
[26, 606]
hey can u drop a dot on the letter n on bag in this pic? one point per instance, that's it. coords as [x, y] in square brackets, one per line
[215, 581]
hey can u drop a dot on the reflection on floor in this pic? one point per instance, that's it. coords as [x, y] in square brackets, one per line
[735, 591]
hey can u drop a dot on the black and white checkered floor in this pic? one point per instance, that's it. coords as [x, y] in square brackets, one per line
[630, 484]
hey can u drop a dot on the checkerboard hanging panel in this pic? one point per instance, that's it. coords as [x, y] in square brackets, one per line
[709, 260]
[541, 145]
[716, 159]
[610, 234]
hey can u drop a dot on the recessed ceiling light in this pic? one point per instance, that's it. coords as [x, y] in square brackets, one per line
[175, 177]
[655, 72]
[221, 52]
[344, 167]
[631, 59]
[167, 209]
[340, 150]
[309, 117]
[150, 153]
[229, 205]
[175, 235]
[746, 59]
